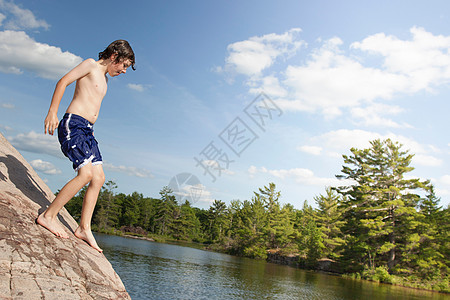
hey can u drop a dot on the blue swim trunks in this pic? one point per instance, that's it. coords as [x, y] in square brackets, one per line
[76, 137]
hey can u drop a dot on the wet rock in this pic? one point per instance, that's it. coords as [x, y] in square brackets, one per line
[273, 256]
[34, 263]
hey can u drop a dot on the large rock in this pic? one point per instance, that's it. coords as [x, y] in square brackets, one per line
[34, 263]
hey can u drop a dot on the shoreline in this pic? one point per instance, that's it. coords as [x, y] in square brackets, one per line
[205, 247]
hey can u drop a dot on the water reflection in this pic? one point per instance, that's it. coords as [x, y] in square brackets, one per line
[162, 271]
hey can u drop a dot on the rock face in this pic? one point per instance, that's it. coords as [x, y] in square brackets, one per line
[34, 263]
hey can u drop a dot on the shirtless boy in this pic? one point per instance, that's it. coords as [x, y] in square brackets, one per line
[75, 134]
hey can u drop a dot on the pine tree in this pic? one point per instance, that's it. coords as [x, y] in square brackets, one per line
[443, 238]
[425, 256]
[309, 237]
[248, 228]
[380, 206]
[187, 225]
[279, 227]
[217, 220]
[107, 214]
[329, 220]
[165, 211]
[147, 213]
[131, 209]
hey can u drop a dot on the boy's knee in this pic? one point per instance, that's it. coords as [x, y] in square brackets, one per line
[86, 174]
[99, 178]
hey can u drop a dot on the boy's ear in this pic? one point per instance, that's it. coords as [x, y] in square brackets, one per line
[113, 57]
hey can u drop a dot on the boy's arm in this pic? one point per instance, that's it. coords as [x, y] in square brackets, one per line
[51, 121]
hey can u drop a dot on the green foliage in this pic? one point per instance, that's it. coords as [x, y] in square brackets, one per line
[379, 274]
[108, 207]
[380, 205]
[165, 212]
[380, 225]
[217, 218]
[254, 251]
[329, 220]
[310, 244]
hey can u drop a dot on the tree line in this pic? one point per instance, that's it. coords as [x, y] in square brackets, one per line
[381, 224]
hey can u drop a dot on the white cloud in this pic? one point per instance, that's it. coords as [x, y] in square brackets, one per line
[330, 81]
[131, 171]
[342, 140]
[372, 115]
[21, 53]
[314, 150]
[138, 87]
[442, 185]
[193, 194]
[45, 167]
[334, 78]
[18, 18]
[6, 128]
[271, 86]
[252, 56]
[206, 197]
[425, 59]
[426, 160]
[445, 180]
[217, 166]
[7, 105]
[2, 17]
[299, 175]
[37, 143]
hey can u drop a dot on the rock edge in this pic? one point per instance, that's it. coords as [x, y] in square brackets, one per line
[35, 264]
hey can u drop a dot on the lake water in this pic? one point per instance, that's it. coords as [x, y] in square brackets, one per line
[162, 271]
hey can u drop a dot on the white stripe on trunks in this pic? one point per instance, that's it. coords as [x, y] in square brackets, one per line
[67, 127]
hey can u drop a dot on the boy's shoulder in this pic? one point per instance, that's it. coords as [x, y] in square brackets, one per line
[90, 62]
[86, 66]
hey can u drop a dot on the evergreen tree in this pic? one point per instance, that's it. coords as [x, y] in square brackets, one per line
[217, 220]
[379, 204]
[248, 228]
[270, 197]
[187, 225]
[131, 209]
[107, 213]
[425, 256]
[310, 238]
[279, 227]
[202, 216]
[329, 220]
[165, 211]
[147, 213]
[254, 228]
[443, 238]
[283, 227]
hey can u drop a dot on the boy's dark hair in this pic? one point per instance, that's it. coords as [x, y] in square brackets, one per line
[123, 50]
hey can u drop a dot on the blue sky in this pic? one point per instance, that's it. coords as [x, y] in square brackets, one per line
[325, 76]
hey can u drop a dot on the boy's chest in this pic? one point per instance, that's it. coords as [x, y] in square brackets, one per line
[98, 83]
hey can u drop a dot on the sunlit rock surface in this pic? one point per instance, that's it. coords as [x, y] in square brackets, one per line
[35, 264]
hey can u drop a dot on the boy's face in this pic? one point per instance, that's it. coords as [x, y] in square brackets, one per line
[117, 68]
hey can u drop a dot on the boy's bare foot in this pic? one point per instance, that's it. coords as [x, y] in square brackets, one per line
[88, 237]
[52, 225]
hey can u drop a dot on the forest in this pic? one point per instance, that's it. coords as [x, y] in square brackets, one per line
[381, 225]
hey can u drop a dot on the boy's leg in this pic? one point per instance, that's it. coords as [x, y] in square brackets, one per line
[90, 199]
[49, 218]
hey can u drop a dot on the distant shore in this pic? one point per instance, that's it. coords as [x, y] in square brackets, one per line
[273, 258]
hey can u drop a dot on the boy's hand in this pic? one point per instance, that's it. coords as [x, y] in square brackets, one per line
[51, 123]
